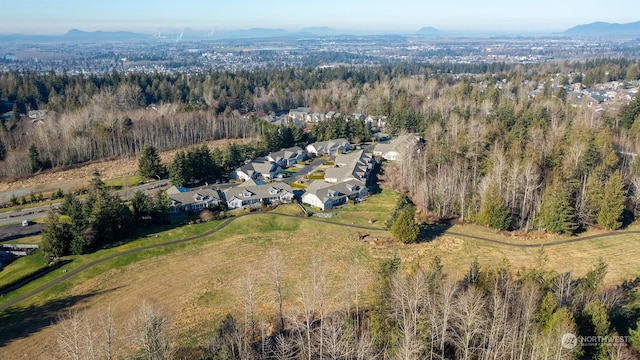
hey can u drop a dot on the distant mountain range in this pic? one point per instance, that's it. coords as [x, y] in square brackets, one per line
[76, 35]
[598, 29]
[429, 31]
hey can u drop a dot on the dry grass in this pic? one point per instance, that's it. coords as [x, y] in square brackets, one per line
[109, 169]
[198, 283]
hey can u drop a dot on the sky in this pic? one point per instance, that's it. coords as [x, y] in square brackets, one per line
[150, 16]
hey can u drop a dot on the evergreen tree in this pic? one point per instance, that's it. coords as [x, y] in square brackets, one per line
[56, 236]
[232, 157]
[600, 326]
[200, 163]
[612, 205]
[493, 210]
[149, 164]
[593, 198]
[34, 159]
[3, 151]
[402, 202]
[161, 206]
[405, 228]
[556, 213]
[179, 171]
[218, 162]
[141, 206]
[634, 336]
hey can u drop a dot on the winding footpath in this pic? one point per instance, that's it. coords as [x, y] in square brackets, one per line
[228, 221]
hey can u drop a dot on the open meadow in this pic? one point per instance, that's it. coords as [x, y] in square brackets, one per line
[199, 282]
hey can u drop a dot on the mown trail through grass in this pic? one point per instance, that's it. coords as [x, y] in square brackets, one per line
[228, 221]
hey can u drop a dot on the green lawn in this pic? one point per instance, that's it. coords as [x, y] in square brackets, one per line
[30, 205]
[33, 239]
[21, 267]
[377, 207]
[79, 260]
[127, 181]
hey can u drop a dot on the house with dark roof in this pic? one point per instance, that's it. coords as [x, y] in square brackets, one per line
[192, 200]
[326, 196]
[260, 167]
[287, 157]
[356, 165]
[251, 195]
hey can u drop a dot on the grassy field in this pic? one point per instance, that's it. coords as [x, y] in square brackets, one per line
[199, 282]
[124, 182]
[21, 267]
[377, 207]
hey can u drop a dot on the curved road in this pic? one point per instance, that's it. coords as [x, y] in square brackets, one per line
[228, 221]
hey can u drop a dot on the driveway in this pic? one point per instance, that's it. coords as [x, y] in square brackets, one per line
[307, 169]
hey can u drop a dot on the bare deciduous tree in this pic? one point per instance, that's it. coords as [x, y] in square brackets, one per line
[151, 332]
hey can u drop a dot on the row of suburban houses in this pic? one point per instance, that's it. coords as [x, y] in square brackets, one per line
[344, 180]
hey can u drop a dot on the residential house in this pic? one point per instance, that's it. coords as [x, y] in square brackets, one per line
[184, 200]
[260, 167]
[301, 113]
[287, 157]
[251, 195]
[398, 148]
[356, 165]
[37, 115]
[329, 147]
[358, 116]
[317, 117]
[326, 196]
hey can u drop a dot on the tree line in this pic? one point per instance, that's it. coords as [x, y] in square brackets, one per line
[498, 155]
[417, 311]
[101, 218]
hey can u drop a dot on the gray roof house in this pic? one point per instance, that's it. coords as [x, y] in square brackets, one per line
[287, 157]
[356, 165]
[301, 113]
[326, 196]
[259, 167]
[195, 200]
[329, 147]
[250, 195]
[395, 149]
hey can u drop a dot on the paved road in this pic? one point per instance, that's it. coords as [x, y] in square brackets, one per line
[228, 221]
[17, 216]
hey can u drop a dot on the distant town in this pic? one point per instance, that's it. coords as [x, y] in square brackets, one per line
[180, 56]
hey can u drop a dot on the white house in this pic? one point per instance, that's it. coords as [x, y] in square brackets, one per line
[257, 168]
[329, 147]
[326, 196]
[287, 157]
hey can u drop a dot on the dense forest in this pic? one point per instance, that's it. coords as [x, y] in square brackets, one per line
[504, 144]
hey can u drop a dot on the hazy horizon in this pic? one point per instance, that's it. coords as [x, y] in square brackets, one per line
[501, 16]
